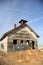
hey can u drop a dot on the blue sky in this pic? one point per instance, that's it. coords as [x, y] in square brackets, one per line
[11, 11]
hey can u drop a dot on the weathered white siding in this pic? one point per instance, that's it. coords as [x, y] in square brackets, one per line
[23, 30]
[4, 42]
[17, 34]
[27, 30]
[14, 35]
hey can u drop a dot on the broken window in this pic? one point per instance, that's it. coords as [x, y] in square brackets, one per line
[27, 42]
[21, 41]
[14, 42]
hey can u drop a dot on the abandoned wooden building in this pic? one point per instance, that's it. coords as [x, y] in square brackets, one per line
[20, 38]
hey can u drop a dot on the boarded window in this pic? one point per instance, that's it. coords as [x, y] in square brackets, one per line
[14, 42]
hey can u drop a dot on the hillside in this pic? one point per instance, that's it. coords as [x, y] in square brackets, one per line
[27, 57]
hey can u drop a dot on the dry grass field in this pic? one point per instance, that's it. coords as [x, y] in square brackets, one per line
[27, 57]
[40, 48]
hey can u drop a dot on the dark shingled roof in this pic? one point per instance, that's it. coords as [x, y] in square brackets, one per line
[18, 28]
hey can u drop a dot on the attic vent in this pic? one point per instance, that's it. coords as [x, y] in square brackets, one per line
[22, 21]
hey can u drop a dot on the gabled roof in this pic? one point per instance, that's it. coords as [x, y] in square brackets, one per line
[21, 26]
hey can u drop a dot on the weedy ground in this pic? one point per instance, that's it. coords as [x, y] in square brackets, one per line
[26, 57]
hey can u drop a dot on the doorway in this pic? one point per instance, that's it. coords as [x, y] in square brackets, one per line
[33, 45]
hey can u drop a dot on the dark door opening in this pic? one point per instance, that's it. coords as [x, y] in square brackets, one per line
[33, 45]
[14, 42]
